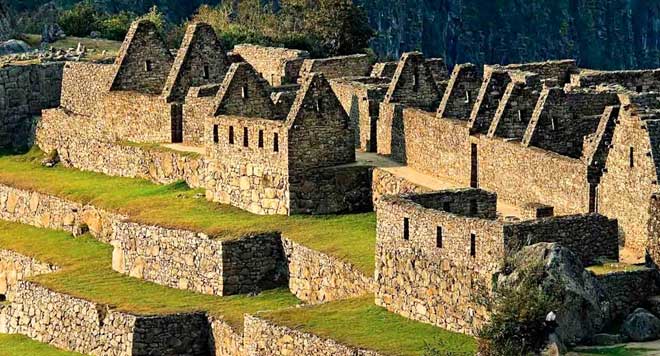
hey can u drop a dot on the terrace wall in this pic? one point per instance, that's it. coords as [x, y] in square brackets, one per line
[15, 267]
[78, 325]
[263, 338]
[24, 92]
[46, 211]
[315, 277]
[225, 339]
[194, 261]
[83, 146]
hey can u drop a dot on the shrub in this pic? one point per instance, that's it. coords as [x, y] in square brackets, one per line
[115, 27]
[517, 325]
[80, 20]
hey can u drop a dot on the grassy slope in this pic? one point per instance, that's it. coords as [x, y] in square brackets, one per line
[349, 237]
[98, 45]
[359, 322]
[86, 272]
[18, 345]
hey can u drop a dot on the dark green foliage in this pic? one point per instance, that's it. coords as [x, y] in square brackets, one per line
[517, 325]
[81, 20]
[324, 28]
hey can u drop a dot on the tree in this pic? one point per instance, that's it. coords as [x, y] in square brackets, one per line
[80, 20]
[339, 26]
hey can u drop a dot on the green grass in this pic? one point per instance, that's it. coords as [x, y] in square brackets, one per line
[613, 351]
[86, 272]
[159, 147]
[359, 322]
[18, 345]
[98, 45]
[351, 238]
[607, 268]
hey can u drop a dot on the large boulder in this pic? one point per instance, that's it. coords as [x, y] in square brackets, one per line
[583, 309]
[13, 47]
[641, 325]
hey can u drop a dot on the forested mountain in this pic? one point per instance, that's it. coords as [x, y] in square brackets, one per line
[604, 34]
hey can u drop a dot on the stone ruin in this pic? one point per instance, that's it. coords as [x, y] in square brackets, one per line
[533, 153]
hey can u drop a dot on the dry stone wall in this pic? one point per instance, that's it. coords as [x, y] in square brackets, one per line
[194, 261]
[630, 180]
[387, 183]
[41, 210]
[201, 60]
[562, 119]
[264, 338]
[225, 339]
[627, 291]
[79, 148]
[461, 93]
[318, 278]
[521, 175]
[15, 267]
[242, 173]
[84, 85]
[331, 190]
[24, 92]
[82, 326]
[593, 238]
[434, 275]
[144, 61]
[437, 147]
[361, 98]
[635, 80]
[356, 65]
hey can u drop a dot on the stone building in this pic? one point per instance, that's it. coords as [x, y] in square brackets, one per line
[139, 97]
[269, 163]
[438, 254]
[279, 66]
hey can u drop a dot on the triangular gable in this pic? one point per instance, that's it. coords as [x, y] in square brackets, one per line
[244, 93]
[201, 60]
[562, 119]
[491, 92]
[461, 93]
[413, 84]
[320, 132]
[143, 62]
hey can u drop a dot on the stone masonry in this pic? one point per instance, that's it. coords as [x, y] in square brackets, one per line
[24, 92]
[437, 253]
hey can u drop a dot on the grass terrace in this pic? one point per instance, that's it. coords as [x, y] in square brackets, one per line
[360, 323]
[18, 345]
[351, 238]
[86, 273]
